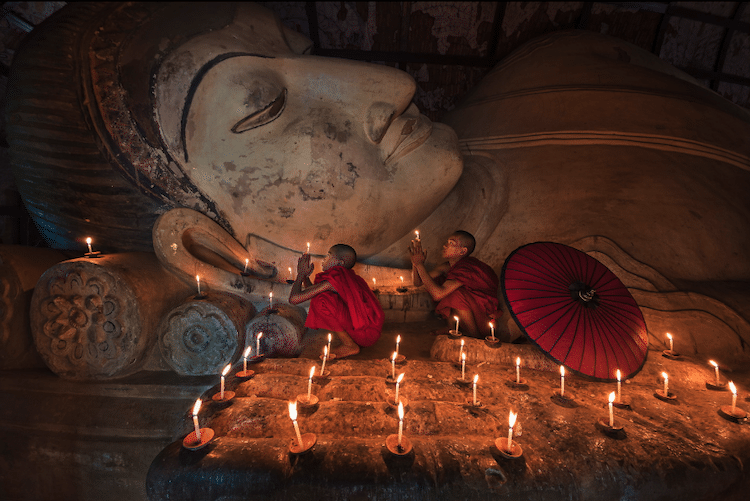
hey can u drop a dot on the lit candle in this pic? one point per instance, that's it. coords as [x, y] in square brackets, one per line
[400, 422]
[476, 378]
[611, 412]
[398, 382]
[293, 417]
[492, 328]
[734, 395]
[455, 317]
[196, 408]
[308, 247]
[257, 344]
[671, 342]
[224, 373]
[330, 338]
[619, 385]
[393, 365]
[198, 280]
[511, 422]
[270, 299]
[247, 261]
[716, 367]
[398, 341]
[463, 366]
[309, 383]
[88, 242]
[417, 233]
[402, 281]
[461, 351]
[325, 356]
[373, 282]
[291, 275]
[562, 381]
[244, 357]
[666, 383]
[518, 370]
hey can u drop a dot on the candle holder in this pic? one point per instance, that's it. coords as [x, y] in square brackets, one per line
[515, 451]
[192, 443]
[93, 254]
[563, 401]
[400, 359]
[201, 295]
[672, 355]
[245, 273]
[228, 395]
[308, 441]
[321, 376]
[717, 387]
[402, 289]
[615, 430]
[492, 342]
[454, 334]
[307, 402]
[463, 381]
[522, 384]
[331, 358]
[390, 379]
[622, 404]
[394, 404]
[244, 374]
[391, 443]
[732, 413]
[666, 398]
[256, 358]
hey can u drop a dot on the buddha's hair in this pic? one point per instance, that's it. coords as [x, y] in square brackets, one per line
[467, 240]
[346, 253]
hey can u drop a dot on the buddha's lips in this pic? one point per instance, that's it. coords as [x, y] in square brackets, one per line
[406, 133]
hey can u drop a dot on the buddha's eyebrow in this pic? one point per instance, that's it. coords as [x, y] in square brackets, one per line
[197, 79]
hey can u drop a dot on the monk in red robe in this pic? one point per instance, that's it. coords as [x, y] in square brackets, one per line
[463, 286]
[340, 301]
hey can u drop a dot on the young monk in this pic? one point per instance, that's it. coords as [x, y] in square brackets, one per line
[340, 301]
[463, 286]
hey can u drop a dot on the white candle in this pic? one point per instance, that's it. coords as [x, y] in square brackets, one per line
[511, 422]
[562, 381]
[270, 299]
[398, 382]
[716, 367]
[393, 365]
[461, 351]
[247, 261]
[198, 280]
[400, 422]
[476, 378]
[309, 382]
[398, 341]
[671, 342]
[293, 417]
[291, 275]
[463, 366]
[257, 344]
[325, 356]
[734, 394]
[456, 318]
[518, 370]
[611, 412]
[308, 247]
[196, 408]
[619, 384]
[88, 242]
[244, 358]
[330, 338]
[666, 383]
[492, 328]
[224, 373]
[417, 233]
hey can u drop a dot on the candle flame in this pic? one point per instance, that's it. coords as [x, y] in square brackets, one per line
[611, 397]
[88, 240]
[308, 247]
[402, 279]
[226, 369]
[463, 357]
[325, 351]
[247, 261]
[247, 351]
[733, 388]
[618, 374]
[491, 325]
[312, 371]
[197, 278]
[398, 339]
[400, 410]
[197, 407]
[669, 335]
[260, 335]
[270, 295]
[329, 337]
[462, 344]
[393, 357]
[290, 270]
[518, 361]
[373, 280]
[512, 418]
[417, 233]
[455, 318]
[713, 363]
[400, 377]
[293, 411]
[562, 370]
[476, 378]
[664, 375]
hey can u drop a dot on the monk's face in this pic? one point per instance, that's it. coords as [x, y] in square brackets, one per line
[453, 248]
[296, 148]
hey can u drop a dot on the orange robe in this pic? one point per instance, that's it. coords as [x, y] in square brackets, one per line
[353, 308]
[478, 293]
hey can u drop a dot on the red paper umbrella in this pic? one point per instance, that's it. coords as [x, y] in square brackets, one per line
[575, 309]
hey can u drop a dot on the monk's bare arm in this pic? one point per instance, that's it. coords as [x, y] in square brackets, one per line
[437, 292]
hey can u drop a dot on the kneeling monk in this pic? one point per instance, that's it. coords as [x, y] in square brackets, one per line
[464, 286]
[340, 301]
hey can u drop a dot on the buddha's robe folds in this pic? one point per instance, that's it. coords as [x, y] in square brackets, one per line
[353, 308]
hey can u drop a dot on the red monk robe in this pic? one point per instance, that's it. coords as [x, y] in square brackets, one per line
[478, 293]
[355, 309]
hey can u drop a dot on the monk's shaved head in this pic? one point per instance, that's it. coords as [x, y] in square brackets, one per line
[466, 239]
[345, 253]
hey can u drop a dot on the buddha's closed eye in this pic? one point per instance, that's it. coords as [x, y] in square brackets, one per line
[267, 114]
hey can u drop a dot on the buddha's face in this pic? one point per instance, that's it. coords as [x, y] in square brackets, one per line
[296, 148]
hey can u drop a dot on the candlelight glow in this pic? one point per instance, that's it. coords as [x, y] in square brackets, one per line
[247, 352]
[669, 336]
[398, 339]
[197, 407]
[417, 233]
[393, 357]
[400, 410]
[312, 371]
[713, 363]
[476, 378]
[732, 388]
[373, 281]
[664, 375]
[260, 335]
[402, 280]
[463, 357]
[562, 371]
[518, 361]
[400, 378]
[293, 411]
[611, 397]
[618, 375]
[512, 419]
[88, 240]
[226, 369]
[308, 247]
